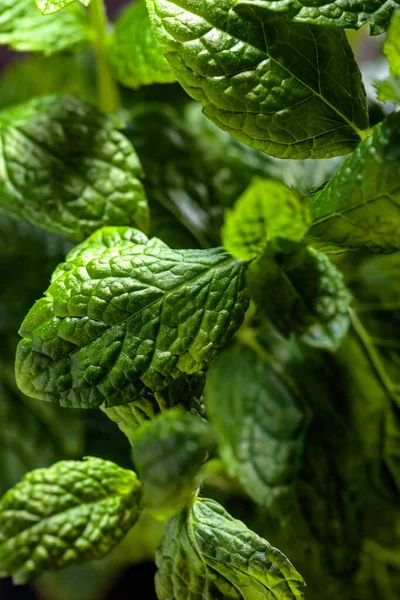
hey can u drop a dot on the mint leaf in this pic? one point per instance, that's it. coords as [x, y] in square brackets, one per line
[67, 167]
[360, 206]
[260, 419]
[302, 292]
[135, 55]
[205, 552]
[258, 79]
[47, 7]
[127, 316]
[167, 453]
[25, 29]
[266, 210]
[130, 416]
[348, 14]
[71, 512]
[389, 88]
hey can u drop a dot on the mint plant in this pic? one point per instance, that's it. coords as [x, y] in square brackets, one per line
[223, 309]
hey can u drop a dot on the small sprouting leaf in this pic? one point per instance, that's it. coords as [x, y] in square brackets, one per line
[267, 210]
[125, 315]
[359, 208]
[259, 417]
[302, 292]
[389, 88]
[47, 7]
[135, 55]
[25, 29]
[167, 454]
[207, 553]
[66, 167]
[348, 14]
[69, 513]
[259, 78]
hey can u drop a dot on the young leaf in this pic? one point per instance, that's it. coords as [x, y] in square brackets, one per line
[121, 320]
[260, 419]
[347, 14]
[25, 29]
[167, 453]
[47, 7]
[206, 553]
[259, 79]
[67, 167]
[69, 513]
[360, 206]
[302, 292]
[266, 210]
[389, 88]
[135, 55]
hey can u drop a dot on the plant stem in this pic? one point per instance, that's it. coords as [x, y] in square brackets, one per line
[106, 84]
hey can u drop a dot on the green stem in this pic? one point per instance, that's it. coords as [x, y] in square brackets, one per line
[107, 87]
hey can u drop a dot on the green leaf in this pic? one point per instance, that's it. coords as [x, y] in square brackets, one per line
[125, 315]
[135, 55]
[267, 210]
[47, 7]
[389, 88]
[67, 167]
[260, 419]
[302, 292]
[71, 512]
[348, 14]
[360, 206]
[206, 553]
[167, 453]
[25, 29]
[259, 80]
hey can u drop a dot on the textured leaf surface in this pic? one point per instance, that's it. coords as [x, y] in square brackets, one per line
[24, 28]
[134, 53]
[206, 553]
[71, 512]
[259, 79]
[302, 292]
[259, 417]
[124, 315]
[349, 14]
[50, 6]
[266, 210]
[360, 206]
[167, 454]
[66, 167]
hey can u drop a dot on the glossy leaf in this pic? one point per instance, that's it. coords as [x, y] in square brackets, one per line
[360, 206]
[348, 14]
[206, 553]
[73, 193]
[136, 57]
[47, 7]
[167, 453]
[71, 512]
[389, 88]
[267, 210]
[260, 419]
[25, 29]
[125, 315]
[258, 79]
[302, 292]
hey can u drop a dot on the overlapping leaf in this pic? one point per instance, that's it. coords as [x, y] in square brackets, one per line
[50, 6]
[71, 192]
[259, 80]
[389, 88]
